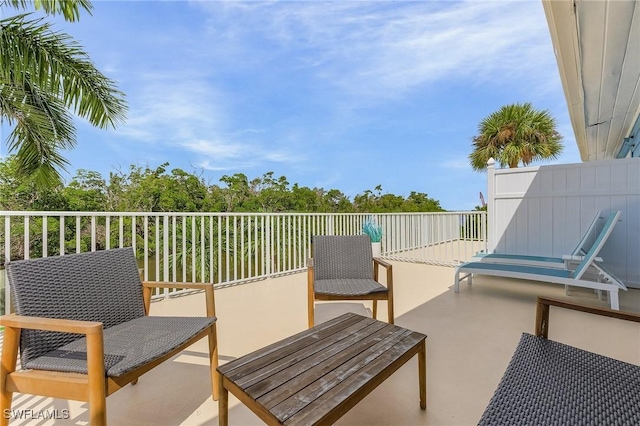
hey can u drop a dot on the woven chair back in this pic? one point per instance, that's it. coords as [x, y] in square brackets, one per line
[341, 256]
[101, 286]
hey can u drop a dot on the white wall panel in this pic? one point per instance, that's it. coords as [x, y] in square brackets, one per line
[546, 220]
[545, 210]
[533, 224]
[633, 238]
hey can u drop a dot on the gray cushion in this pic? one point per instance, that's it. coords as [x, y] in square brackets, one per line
[550, 383]
[126, 346]
[348, 287]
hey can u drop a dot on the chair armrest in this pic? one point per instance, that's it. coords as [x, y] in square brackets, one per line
[147, 286]
[93, 330]
[164, 284]
[389, 268]
[542, 313]
[378, 261]
[51, 324]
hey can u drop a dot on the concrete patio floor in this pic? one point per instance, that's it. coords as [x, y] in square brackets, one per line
[471, 337]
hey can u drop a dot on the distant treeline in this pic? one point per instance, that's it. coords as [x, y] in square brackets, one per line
[144, 189]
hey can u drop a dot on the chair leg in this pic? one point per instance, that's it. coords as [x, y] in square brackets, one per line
[97, 410]
[223, 404]
[311, 310]
[375, 309]
[8, 366]
[213, 362]
[390, 308]
[310, 294]
[422, 374]
[97, 381]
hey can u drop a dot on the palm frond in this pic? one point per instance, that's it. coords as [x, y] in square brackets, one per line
[43, 127]
[53, 61]
[70, 9]
[515, 134]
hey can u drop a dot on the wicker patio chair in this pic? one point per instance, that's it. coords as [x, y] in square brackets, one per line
[343, 268]
[551, 383]
[98, 295]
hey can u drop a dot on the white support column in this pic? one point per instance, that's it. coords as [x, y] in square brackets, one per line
[491, 207]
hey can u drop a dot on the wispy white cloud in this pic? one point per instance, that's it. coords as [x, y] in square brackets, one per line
[461, 163]
[171, 107]
[379, 50]
[184, 111]
[215, 149]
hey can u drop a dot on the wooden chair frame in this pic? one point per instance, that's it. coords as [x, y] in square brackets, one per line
[388, 295]
[544, 303]
[95, 386]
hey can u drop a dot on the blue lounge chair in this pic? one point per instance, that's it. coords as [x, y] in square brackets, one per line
[563, 276]
[543, 261]
[597, 268]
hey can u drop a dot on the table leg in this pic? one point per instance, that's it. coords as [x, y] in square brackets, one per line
[223, 403]
[422, 374]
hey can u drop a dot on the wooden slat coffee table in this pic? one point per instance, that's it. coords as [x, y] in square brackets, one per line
[316, 376]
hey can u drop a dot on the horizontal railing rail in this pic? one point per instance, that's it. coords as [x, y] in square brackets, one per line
[231, 248]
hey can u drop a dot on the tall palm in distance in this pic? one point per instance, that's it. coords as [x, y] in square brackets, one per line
[515, 134]
[44, 77]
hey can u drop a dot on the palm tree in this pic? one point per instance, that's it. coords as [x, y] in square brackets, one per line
[514, 134]
[44, 77]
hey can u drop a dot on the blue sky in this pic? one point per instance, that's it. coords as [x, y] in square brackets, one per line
[346, 95]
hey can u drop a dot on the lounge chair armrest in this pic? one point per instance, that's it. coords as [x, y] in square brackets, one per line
[51, 324]
[578, 258]
[542, 313]
[147, 286]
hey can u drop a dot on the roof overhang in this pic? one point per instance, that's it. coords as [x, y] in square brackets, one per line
[597, 46]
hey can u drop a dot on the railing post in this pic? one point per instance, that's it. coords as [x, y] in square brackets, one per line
[491, 207]
[45, 232]
[165, 252]
[146, 247]
[27, 241]
[268, 237]
[7, 258]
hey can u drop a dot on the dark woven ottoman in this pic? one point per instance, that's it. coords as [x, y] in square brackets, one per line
[550, 383]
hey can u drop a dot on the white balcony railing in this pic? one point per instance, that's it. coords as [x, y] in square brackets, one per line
[231, 248]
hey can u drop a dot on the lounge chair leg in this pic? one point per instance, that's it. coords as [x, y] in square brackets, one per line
[8, 366]
[375, 309]
[613, 300]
